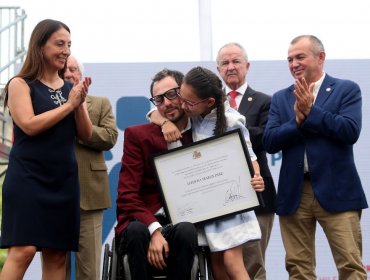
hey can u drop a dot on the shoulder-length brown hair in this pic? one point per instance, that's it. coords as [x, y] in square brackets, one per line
[34, 65]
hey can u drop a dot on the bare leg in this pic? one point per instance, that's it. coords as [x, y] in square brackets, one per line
[234, 264]
[54, 264]
[17, 262]
[218, 268]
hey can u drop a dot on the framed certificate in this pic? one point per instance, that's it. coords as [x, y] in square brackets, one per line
[207, 179]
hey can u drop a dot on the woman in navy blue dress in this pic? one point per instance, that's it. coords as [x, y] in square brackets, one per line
[41, 190]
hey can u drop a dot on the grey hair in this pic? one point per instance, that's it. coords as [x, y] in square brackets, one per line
[229, 45]
[317, 45]
[80, 66]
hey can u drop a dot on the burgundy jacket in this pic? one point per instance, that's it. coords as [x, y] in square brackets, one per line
[139, 195]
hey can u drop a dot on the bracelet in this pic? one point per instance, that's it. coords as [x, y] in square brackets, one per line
[164, 122]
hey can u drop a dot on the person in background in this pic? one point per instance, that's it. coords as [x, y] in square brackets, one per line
[41, 189]
[142, 230]
[203, 100]
[315, 123]
[94, 182]
[233, 67]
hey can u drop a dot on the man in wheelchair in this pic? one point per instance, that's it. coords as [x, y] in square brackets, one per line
[143, 231]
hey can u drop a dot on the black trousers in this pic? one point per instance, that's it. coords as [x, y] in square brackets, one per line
[182, 241]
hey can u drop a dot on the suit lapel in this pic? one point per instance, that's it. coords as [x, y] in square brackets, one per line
[326, 89]
[247, 101]
[158, 138]
[291, 100]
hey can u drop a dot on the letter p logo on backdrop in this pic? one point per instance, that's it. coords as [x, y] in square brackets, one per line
[276, 158]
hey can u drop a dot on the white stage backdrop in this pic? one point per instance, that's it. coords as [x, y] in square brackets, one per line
[127, 87]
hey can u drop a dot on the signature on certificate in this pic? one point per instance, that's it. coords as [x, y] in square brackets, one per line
[233, 192]
[185, 210]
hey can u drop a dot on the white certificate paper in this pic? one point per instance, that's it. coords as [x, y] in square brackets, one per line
[207, 180]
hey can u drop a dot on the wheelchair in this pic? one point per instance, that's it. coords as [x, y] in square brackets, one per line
[116, 267]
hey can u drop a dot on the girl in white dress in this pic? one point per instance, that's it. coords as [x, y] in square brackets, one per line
[203, 100]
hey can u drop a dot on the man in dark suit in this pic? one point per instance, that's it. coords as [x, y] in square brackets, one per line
[315, 123]
[233, 66]
[140, 214]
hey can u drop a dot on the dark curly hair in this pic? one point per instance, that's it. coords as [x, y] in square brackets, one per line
[177, 75]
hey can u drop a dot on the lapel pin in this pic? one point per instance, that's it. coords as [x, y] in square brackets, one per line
[250, 99]
[328, 89]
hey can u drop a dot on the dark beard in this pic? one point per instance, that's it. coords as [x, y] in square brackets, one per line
[179, 118]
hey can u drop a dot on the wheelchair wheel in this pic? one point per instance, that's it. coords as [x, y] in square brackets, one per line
[204, 264]
[126, 268]
[195, 268]
[120, 269]
[113, 273]
[105, 274]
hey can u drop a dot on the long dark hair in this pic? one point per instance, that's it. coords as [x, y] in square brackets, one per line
[34, 65]
[207, 84]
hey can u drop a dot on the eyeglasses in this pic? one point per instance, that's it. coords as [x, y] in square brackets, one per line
[189, 103]
[169, 94]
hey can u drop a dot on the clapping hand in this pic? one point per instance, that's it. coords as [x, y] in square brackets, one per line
[304, 99]
[79, 92]
[84, 88]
